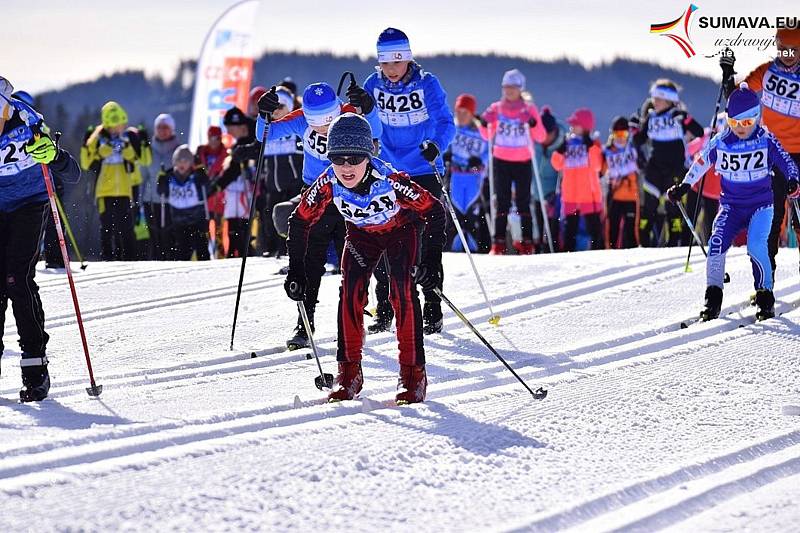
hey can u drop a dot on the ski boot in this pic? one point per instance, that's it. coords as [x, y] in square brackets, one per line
[523, 247]
[765, 301]
[713, 303]
[432, 318]
[498, 247]
[412, 384]
[300, 338]
[383, 321]
[35, 378]
[349, 381]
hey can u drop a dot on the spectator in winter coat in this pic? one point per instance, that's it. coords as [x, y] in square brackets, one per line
[113, 151]
[26, 149]
[162, 146]
[212, 157]
[237, 181]
[183, 188]
[580, 159]
[282, 176]
[556, 132]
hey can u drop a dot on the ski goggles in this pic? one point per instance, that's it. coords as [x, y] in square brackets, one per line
[353, 160]
[620, 134]
[742, 122]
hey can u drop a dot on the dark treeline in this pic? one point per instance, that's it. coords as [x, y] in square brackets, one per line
[615, 88]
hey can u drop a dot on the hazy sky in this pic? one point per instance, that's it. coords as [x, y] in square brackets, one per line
[49, 43]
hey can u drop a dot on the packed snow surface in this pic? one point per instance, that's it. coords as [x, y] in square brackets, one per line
[646, 426]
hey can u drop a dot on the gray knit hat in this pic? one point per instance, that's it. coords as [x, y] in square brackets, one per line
[350, 134]
[182, 152]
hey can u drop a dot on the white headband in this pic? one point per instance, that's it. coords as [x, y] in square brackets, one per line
[665, 93]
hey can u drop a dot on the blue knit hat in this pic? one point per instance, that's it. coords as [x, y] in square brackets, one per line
[320, 104]
[743, 103]
[393, 45]
[350, 134]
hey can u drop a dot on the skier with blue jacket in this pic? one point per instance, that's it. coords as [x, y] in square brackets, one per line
[25, 145]
[744, 154]
[417, 128]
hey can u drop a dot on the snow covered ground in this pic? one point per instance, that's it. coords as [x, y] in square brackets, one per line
[646, 425]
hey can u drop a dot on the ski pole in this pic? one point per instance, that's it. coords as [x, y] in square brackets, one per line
[323, 381]
[703, 179]
[94, 389]
[492, 199]
[493, 318]
[539, 190]
[727, 278]
[246, 234]
[538, 394]
[71, 236]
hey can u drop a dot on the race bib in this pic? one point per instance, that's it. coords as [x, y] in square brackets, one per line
[465, 146]
[664, 128]
[372, 209]
[576, 156]
[621, 164]
[183, 196]
[283, 146]
[781, 93]
[742, 166]
[13, 158]
[315, 144]
[510, 133]
[401, 110]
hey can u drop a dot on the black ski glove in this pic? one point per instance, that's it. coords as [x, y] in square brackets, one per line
[429, 151]
[295, 285]
[792, 187]
[360, 99]
[481, 121]
[474, 162]
[427, 274]
[532, 122]
[677, 191]
[726, 63]
[244, 152]
[268, 103]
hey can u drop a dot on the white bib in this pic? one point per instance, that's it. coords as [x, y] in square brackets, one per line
[401, 110]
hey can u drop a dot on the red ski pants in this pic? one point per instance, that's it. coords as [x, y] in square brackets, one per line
[362, 251]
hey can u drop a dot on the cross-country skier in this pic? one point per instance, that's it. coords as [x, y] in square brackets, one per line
[417, 127]
[580, 159]
[620, 164]
[743, 155]
[665, 124]
[778, 81]
[184, 189]
[381, 207]
[512, 124]
[311, 122]
[24, 146]
[467, 158]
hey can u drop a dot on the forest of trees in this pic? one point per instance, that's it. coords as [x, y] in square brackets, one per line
[615, 88]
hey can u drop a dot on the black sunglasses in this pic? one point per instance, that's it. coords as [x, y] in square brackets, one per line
[353, 160]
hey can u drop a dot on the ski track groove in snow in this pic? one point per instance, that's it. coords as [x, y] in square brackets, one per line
[577, 375]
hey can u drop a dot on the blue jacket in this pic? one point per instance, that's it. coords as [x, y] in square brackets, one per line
[744, 166]
[315, 145]
[412, 111]
[21, 178]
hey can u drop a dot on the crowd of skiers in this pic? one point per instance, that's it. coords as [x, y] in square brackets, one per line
[365, 176]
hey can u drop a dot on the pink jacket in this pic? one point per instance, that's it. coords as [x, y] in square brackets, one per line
[507, 123]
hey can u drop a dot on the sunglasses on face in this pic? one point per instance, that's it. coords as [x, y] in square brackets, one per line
[353, 160]
[743, 122]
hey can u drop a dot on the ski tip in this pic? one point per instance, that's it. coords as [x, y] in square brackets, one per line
[308, 356]
[684, 325]
[494, 320]
[400, 403]
[253, 355]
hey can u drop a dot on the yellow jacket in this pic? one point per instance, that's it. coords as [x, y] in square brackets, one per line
[115, 160]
